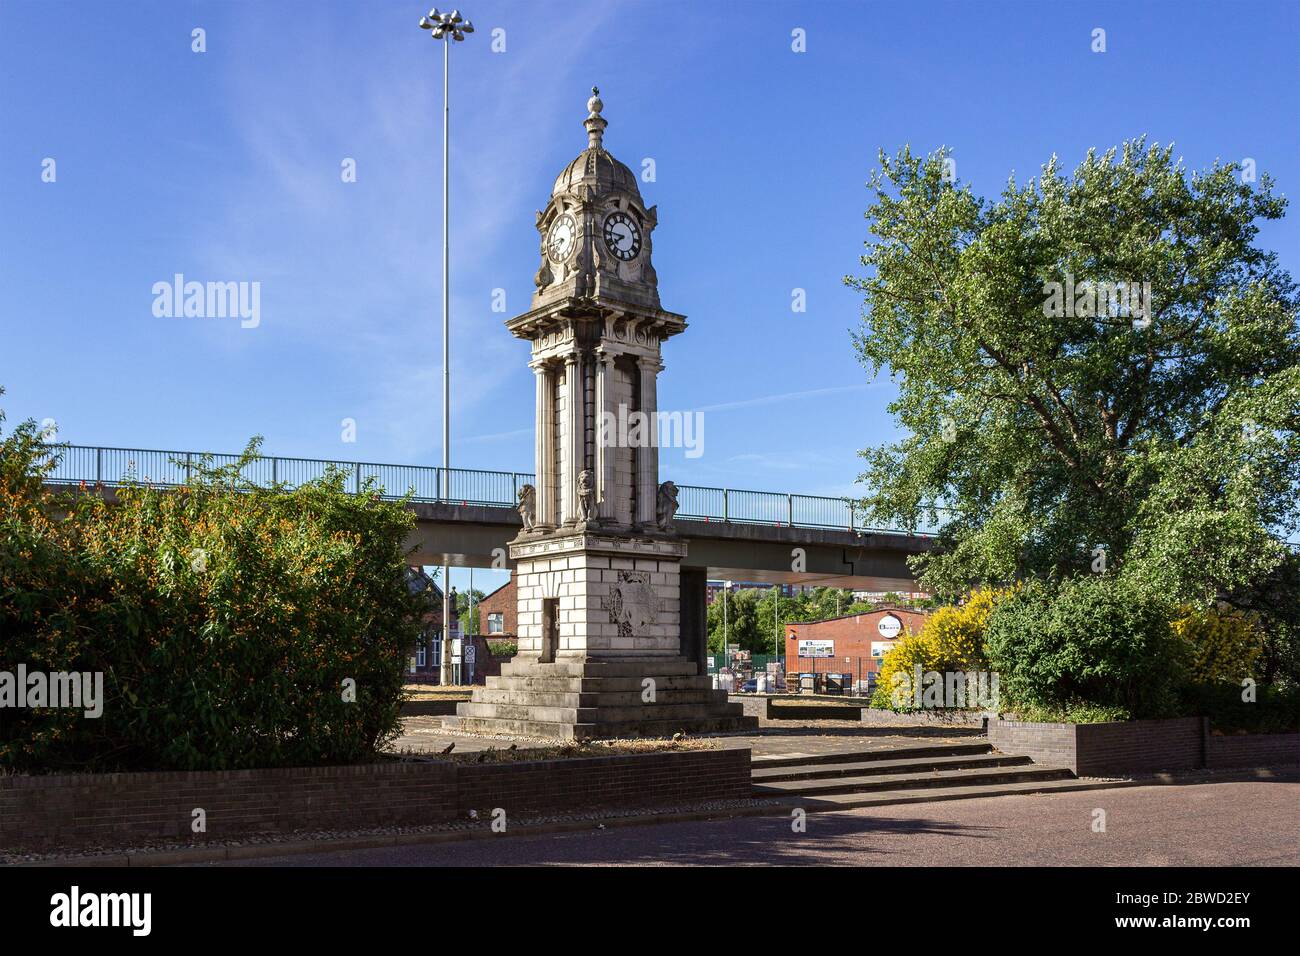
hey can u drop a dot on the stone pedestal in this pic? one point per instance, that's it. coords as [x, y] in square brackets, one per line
[599, 646]
[601, 596]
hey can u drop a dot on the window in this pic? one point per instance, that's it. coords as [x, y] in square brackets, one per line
[496, 623]
[419, 655]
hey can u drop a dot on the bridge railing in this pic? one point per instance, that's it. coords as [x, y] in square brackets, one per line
[113, 467]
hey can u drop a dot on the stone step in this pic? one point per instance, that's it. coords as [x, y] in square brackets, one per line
[868, 768]
[533, 698]
[510, 727]
[909, 781]
[881, 798]
[582, 731]
[859, 756]
[578, 685]
[510, 695]
[557, 714]
[636, 667]
[569, 714]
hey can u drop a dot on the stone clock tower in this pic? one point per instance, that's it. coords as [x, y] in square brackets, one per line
[597, 562]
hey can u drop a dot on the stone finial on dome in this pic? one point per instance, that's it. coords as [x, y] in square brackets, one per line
[594, 122]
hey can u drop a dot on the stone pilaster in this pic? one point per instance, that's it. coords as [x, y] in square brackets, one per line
[605, 439]
[544, 423]
[647, 458]
[574, 439]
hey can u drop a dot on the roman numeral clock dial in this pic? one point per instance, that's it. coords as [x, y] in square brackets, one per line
[559, 242]
[622, 235]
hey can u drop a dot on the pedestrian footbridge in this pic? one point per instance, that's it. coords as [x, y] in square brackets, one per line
[465, 517]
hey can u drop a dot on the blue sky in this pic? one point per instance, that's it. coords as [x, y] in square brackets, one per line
[225, 165]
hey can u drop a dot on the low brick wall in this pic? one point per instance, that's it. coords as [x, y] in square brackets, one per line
[1252, 750]
[1140, 746]
[43, 812]
[1098, 750]
[796, 711]
[623, 780]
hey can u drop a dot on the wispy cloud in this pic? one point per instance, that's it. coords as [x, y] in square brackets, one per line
[785, 397]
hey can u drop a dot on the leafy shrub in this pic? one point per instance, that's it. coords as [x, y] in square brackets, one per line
[503, 648]
[1077, 713]
[951, 640]
[1274, 710]
[224, 618]
[1222, 645]
[1095, 640]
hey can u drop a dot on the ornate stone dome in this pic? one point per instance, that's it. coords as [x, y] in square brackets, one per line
[594, 166]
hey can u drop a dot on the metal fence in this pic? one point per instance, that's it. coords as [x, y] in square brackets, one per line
[112, 467]
[848, 676]
[781, 509]
[851, 676]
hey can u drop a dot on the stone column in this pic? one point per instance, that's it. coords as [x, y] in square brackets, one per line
[647, 456]
[574, 439]
[545, 444]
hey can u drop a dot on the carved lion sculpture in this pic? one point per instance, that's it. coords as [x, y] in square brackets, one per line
[586, 495]
[527, 506]
[666, 506]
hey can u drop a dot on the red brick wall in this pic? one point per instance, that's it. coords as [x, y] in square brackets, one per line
[501, 601]
[40, 812]
[853, 634]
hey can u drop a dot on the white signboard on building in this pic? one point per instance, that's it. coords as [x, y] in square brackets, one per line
[816, 648]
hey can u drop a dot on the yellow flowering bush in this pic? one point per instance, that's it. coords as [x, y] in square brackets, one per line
[951, 640]
[1222, 646]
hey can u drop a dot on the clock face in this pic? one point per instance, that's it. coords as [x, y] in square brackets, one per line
[559, 241]
[622, 235]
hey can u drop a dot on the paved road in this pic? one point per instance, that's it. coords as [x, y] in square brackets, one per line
[1207, 824]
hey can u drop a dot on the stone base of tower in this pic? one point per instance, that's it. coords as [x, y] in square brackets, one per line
[579, 699]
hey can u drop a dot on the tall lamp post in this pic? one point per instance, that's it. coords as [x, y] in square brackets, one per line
[449, 28]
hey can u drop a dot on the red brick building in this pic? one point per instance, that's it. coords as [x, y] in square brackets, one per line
[498, 613]
[852, 644]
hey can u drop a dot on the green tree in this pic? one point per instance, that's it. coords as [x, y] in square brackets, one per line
[1051, 427]
[741, 619]
[469, 617]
